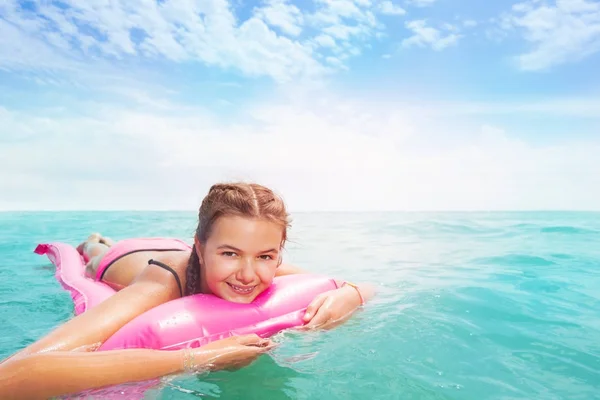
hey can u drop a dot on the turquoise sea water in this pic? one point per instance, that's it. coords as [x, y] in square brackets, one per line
[469, 305]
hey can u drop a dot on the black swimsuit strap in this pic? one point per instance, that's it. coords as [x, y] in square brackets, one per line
[165, 266]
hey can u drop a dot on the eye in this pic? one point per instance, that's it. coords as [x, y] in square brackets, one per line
[228, 253]
[266, 257]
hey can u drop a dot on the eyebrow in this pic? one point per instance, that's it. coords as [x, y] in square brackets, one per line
[227, 246]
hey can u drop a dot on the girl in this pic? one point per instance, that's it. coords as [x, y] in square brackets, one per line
[236, 254]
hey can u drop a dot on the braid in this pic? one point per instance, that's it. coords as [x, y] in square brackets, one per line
[192, 274]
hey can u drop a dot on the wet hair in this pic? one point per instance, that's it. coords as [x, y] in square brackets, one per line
[249, 200]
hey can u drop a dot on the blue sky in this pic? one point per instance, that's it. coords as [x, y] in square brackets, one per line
[337, 104]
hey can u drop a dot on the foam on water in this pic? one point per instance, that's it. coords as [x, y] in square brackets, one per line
[470, 305]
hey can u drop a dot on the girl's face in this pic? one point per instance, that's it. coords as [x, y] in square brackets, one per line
[240, 257]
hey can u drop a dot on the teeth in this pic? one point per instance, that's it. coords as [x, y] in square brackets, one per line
[242, 290]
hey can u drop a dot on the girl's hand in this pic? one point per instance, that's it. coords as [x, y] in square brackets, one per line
[331, 308]
[230, 353]
[58, 373]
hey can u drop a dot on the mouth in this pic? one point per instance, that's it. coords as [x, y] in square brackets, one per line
[243, 290]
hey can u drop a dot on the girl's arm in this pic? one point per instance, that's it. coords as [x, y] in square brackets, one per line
[153, 287]
[59, 373]
[44, 375]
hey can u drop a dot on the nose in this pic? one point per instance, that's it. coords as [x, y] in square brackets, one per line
[246, 274]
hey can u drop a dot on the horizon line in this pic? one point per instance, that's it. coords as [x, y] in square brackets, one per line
[315, 211]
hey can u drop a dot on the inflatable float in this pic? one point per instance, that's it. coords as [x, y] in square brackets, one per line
[190, 321]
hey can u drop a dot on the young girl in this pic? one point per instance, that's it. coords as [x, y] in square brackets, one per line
[236, 254]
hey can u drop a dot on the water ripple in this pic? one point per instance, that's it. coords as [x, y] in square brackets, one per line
[470, 305]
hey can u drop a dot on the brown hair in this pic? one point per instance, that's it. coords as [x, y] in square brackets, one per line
[240, 199]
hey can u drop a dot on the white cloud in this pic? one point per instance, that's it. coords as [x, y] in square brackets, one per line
[21, 52]
[276, 40]
[563, 107]
[425, 35]
[320, 152]
[325, 41]
[560, 32]
[349, 23]
[389, 8]
[283, 15]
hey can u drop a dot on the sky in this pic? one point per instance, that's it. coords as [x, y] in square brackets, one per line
[338, 105]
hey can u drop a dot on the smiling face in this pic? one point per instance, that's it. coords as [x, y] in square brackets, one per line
[239, 258]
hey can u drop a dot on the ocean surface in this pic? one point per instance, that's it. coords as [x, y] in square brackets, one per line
[469, 305]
